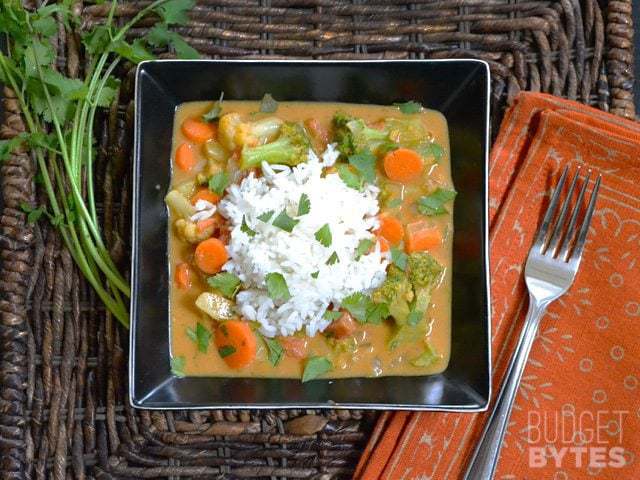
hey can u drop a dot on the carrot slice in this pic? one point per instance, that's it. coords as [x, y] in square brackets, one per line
[391, 228]
[210, 255]
[236, 343]
[203, 225]
[197, 131]
[182, 276]
[344, 326]
[294, 347]
[185, 159]
[422, 236]
[384, 244]
[205, 194]
[403, 165]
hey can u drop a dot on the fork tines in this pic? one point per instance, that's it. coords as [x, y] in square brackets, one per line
[555, 237]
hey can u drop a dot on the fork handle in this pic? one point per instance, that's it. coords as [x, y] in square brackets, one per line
[485, 457]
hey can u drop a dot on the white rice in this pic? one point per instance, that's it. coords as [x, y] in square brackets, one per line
[351, 216]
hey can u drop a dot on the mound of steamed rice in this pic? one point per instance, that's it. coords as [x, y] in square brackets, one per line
[351, 216]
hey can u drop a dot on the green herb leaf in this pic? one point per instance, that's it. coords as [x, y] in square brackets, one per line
[266, 216]
[356, 305]
[393, 203]
[426, 358]
[349, 177]
[246, 228]
[431, 149]
[315, 367]
[97, 39]
[175, 11]
[409, 107]
[315, 274]
[332, 259]
[332, 315]
[433, 204]
[365, 163]
[7, 147]
[274, 349]
[323, 235]
[285, 222]
[376, 312]
[226, 350]
[177, 366]
[363, 247]
[304, 205]
[135, 51]
[161, 36]
[201, 335]
[268, 104]
[226, 283]
[219, 182]
[215, 111]
[277, 287]
[33, 214]
[399, 258]
[365, 310]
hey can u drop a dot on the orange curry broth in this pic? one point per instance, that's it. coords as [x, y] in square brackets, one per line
[368, 348]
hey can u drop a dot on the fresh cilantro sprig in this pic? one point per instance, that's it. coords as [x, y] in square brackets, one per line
[51, 101]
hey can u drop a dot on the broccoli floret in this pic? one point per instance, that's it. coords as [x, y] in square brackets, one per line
[342, 136]
[424, 273]
[290, 148]
[233, 132]
[353, 135]
[396, 292]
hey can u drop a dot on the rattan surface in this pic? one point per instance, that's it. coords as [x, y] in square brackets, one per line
[64, 411]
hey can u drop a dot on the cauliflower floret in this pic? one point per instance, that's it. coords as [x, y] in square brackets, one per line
[234, 133]
[189, 232]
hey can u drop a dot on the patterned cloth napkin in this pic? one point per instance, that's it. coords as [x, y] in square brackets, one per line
[577, 413]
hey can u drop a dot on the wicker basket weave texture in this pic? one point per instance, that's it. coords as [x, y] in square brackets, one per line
[64, 412]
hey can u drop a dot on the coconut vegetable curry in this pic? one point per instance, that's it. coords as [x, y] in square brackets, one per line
[399, 326]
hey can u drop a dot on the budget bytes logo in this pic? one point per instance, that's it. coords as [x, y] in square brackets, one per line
[571, 439]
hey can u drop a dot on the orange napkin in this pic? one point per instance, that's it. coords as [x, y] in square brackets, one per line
[577, 413]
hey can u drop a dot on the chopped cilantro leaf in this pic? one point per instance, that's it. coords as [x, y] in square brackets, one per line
[285, 222]
[304, 205]
[315, 367]
[177, 366]
[219, 182]
[215, 111]
[277, 287]
[433, 204]
[363, 247]
[268, 104]
[331, 315]
[349, 177]
[226, 283]
[226, 350]
[365, 164]
[274, 350]
[409, 107]
[246, 228]
[266, 216]
[323, 235]
[332, 259]
[399, 258]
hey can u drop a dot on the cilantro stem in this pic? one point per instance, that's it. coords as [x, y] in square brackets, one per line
[66, 163]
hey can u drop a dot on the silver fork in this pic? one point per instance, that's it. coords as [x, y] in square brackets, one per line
[551, 268]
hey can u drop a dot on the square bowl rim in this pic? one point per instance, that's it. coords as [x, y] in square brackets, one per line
[139, 403]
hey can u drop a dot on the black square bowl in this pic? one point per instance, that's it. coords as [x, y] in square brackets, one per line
[457, 88]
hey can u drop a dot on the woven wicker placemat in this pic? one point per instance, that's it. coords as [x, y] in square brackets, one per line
[64, 412]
